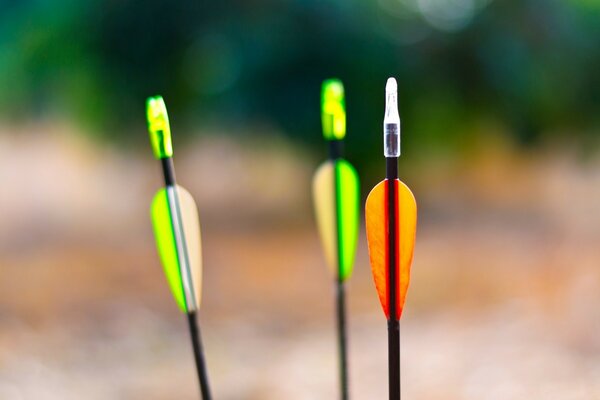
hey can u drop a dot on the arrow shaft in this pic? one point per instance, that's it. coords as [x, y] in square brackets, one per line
[394, 359]
[199, 356]
[392, 271]
[335, 149]
[342, 338]
[168, 171]
[335, 152]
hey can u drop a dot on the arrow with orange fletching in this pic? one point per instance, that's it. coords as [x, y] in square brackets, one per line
[391, 221]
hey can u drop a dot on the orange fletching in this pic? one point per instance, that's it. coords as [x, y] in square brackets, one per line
[376, 214]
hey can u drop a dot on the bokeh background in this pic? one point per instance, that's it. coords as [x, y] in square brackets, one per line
[500, 106]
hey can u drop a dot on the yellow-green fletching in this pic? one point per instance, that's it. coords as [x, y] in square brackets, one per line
[348, 205]
[336, 195]
[333, 109]
[158, 126]
[182, 261]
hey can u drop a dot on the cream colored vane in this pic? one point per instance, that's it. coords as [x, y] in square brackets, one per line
[177, 231]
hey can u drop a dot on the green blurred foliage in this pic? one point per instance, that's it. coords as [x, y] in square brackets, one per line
[530, 67]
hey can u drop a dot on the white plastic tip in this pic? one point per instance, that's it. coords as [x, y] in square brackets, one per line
[391, 120]
[391, 85]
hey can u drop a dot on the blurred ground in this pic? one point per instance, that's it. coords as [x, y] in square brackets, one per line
[503, 301]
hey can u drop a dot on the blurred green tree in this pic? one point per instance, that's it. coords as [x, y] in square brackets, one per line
[529, 65]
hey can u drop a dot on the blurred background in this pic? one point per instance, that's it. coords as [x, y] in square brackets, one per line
[500, 107]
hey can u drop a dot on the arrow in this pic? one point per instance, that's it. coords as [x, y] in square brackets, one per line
[177, 232]
[336, 200]
[391, 218]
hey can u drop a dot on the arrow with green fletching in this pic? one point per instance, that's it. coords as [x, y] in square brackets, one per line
[177, 232]
[336, 195]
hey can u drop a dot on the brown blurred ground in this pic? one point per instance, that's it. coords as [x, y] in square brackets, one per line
[503, 301]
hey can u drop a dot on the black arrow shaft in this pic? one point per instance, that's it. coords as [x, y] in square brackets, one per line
[199, 356]
[335, 152]
[392, 261]
[168, 171]
[342, 338]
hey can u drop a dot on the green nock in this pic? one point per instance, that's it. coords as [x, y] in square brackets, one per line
[158, 126]
[333, 109]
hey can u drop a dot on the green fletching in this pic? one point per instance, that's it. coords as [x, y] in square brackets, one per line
[158, 127]
[333, 109]
[167, 247]
[347, 192]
